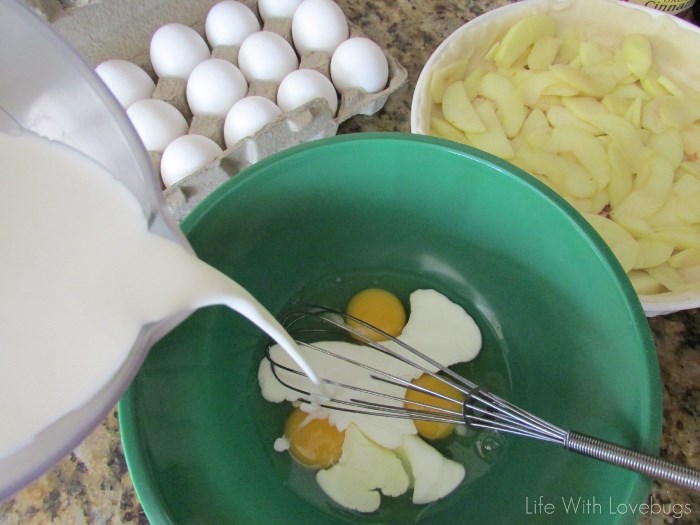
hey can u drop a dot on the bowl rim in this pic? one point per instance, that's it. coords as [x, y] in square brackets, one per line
[653, 305]
[136, 458]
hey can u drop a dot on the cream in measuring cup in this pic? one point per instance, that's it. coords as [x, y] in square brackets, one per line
[80, 275]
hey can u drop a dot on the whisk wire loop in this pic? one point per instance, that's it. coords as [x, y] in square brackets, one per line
[480, 409]
[430, 411]
[339, 320]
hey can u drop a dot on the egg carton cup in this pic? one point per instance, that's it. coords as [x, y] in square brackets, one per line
[352, 101]
[309, 122]
[104, 31]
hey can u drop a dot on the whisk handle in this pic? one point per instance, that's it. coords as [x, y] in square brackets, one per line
[651, 466]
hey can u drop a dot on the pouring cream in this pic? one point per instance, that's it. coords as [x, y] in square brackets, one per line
[80, 275]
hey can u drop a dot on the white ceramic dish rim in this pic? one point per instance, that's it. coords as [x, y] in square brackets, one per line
[660, 304]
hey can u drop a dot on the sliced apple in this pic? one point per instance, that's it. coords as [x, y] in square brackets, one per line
[636, 51]
[523, 34]
[458, 109]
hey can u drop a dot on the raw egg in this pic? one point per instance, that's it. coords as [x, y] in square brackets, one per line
[214, 86]
[185, 155]
[318, 25]
[304, 85]
[266, 56]
[127, 81]
[313, 441]
[277, 8]
[157, 123]
[176, 49]
[381, 309]
[248, 116]
[380, 454]
[433, 429]
[361, 64]
[229, 22]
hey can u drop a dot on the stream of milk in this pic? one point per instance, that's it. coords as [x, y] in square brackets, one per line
[80, 275]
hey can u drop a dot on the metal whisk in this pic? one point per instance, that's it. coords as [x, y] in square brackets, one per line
[478, 409]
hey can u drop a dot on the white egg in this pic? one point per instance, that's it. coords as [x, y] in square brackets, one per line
[248, 116]
[277, 8]
[304, 85]
[361, 64]
[214, 86]
[185, 155]
[127, 81]
[229, 22]
[176, 49]
[319, 25]
[157, 123]
[266, 56]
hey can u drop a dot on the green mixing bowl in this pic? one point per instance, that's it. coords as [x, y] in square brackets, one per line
[564, 336]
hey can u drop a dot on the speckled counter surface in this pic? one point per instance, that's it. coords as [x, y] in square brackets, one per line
[92, 484]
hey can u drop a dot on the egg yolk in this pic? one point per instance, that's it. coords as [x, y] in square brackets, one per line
[379, 308]
[313, 441]
[432, 430]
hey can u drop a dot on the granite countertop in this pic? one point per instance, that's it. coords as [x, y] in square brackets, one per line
[92, 484]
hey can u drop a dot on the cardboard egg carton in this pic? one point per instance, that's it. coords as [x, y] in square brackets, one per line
[125, 31]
